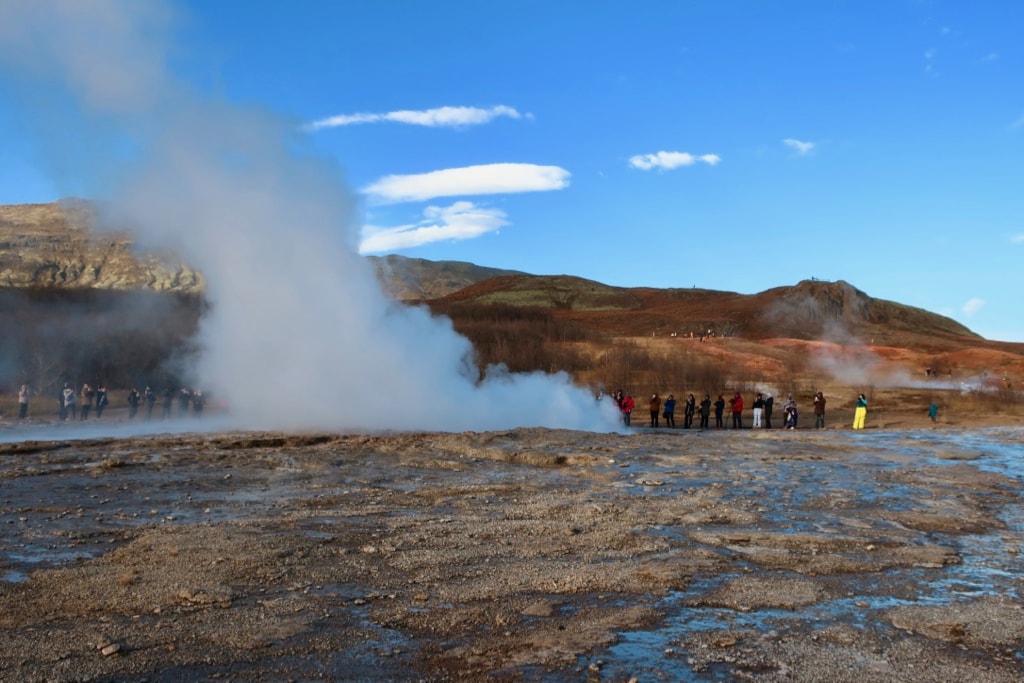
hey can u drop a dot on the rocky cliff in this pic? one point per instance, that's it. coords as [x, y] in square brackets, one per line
[53, 245]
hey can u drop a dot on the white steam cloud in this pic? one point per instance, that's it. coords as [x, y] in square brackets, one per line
[299, 334]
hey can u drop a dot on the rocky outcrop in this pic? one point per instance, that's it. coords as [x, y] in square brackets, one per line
[54, 245]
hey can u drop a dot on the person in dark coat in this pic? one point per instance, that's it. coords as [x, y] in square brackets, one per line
[690, 408]
[670, 411]
[769, 403]
[705, 412]
[719, 409]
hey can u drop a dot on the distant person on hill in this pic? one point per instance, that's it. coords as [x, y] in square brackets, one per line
[933, 411]
[101, 400]
[819, 410]
[791, 412]
[655, 406]
[705, 412]
[670, 411]
[88, 396]
[24, 394]
[758, 410]
[69, 402]
[149, 396]
[769, 405]
[627, 408]
[860, 413]
[719, 409]
[133, 402]
[736, 404]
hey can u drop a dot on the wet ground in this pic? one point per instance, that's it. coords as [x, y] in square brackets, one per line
[521, 555]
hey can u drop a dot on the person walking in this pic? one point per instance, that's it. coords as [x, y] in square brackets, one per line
[819, 410]
[769, 404]
[670, 411]
[736, 404]
[705, 412]
[719, 409]
[655, 406]
[758, 410]
[860, 413]
[24, 394]
[688, 410]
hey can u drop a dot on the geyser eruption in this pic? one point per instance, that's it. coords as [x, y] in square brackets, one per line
[299, 333]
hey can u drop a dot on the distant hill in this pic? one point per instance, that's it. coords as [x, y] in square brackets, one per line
[53, 246]
[415, 279]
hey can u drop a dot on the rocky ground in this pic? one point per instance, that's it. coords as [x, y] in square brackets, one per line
[521, 555]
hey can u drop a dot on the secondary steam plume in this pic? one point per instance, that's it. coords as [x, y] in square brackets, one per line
[299, 333]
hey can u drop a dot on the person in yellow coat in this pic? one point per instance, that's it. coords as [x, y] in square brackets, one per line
[860, 412]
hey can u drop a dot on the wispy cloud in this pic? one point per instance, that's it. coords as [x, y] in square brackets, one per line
[451, 117]
[973, 306]
[460, 221]
[1018, 238]
[468, 180]
[669, 160]
[1017, 123]
[799, 146]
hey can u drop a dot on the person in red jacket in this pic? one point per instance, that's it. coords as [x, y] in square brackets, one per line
[737, 410]
[627, 408]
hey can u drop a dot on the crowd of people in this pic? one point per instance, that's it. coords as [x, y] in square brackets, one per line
[762, 408]
[78, 405]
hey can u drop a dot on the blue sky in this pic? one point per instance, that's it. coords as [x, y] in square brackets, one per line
[728, 145]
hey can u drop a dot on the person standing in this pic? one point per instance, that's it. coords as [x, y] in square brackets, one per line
[719, 409]
[819, 410]
[758, 410]
[790, 412]
[69, 403]
[168, 402]
[769, 404]
[24, 394]
[101, 400]
[133, 402]
[705, 412]
[88, 396]
[860, 413]
[933, 411]
[689, 409]
[670, 411]
[736, 403]
[149, 396]
[655, 406]
[627, 408]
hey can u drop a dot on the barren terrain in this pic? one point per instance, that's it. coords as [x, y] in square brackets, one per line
[890, 554]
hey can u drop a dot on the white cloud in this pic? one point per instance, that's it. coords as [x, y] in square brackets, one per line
[468, 180]
[1018, 239]
[670, 160]
[452, 117]
[800, 146]
[973, 306]
[460, 221]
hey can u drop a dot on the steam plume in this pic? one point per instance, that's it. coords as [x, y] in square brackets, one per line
[299, 333]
